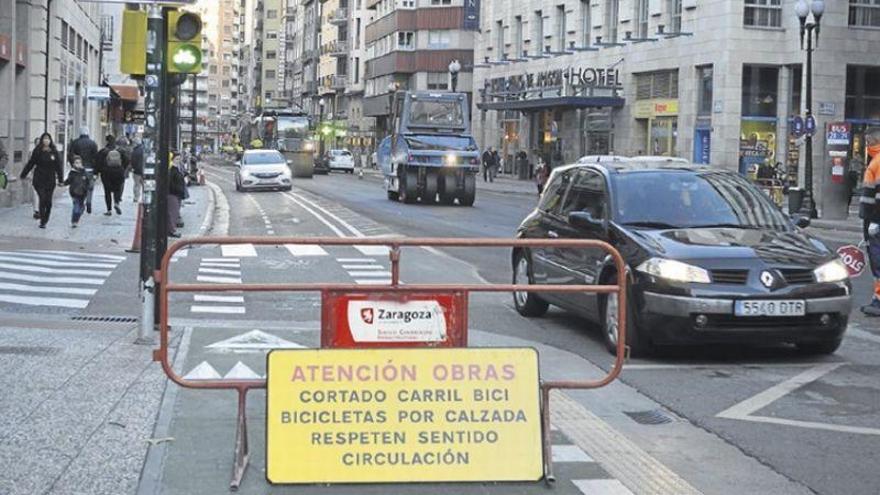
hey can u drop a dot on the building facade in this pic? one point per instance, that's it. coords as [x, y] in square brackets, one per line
[410, 44]
[49, 57]
[708, 80]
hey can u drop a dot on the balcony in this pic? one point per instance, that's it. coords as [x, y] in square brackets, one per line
[338, 83]
[337, 48]
[338, 16]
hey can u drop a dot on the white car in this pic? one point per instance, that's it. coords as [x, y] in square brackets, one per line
[263, 169]
[340, 160]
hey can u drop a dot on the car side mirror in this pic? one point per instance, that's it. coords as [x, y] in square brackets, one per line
[801, 221]
[584, 220]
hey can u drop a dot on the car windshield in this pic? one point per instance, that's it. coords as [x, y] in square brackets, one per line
[263, 158]
[433, 113]
[688, 199]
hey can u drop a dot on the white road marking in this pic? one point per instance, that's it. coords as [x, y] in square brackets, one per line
[253, 341]
[218, 299]
[222, 260]
[55, 280]
[214, 264]
[355, 232]
[374, 250]
[45, 301]
[306, 250]
[601, 487]
[861, 334]
[203, 371]
[363, 267]
[239, 250]
[370, 274]
[50, 290]
[321, 219]
[218, 280]
[226, 310]
[242, 372]
[220, 271]
[66, 264]
[569, 453]
[58, 271]
[71, 253]
[378, 281]
[356, 260]
[744, 410]
[270, 232]
[711, 366]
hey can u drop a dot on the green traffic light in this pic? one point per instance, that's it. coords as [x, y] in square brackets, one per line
[186, 58]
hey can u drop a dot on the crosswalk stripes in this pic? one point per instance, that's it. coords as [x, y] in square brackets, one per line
[602, 487]
[53, 278]
[306, 250]
[215, 271]
[239, 250]
[365, 271]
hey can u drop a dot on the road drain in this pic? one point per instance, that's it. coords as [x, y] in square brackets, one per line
[22, 350]
[106, 319]
[653, 417]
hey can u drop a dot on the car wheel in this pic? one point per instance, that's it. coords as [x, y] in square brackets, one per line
[639, 344]
[824, 347]
[527, 304]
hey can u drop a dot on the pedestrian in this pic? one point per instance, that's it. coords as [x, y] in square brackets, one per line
[869, 211]
[176, 194]
[522, 164]
[123, 144]
[45, 161]
[494, 164]
[542, 173]
[487, 162]
[78, 182]
[36, 199]
[137, 169]
[765, 171]
[87, 150]
[111, 165]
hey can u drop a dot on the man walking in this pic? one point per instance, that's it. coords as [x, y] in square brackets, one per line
[87, 151]
[137, 168]
[494, 165]
[487, 162]
[869, 211]
[111, 165]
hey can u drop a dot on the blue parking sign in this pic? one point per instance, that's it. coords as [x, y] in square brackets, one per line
[810, 125]
[797, 126]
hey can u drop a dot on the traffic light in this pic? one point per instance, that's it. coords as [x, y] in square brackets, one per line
[184, 42]
[133, 58]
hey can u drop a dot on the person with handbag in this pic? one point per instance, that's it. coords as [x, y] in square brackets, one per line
[45, 162]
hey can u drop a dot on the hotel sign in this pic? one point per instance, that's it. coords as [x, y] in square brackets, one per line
[574, 77]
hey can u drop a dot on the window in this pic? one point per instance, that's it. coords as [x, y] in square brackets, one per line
[271, 14]
[270, 55]
[560, 28]
[79, 46]
[499, 40]
[587, 194]
[63, 34]
[439, 38]
[213, 69]
[438, 81]
[864, 13]
[405, 40]
[225, 83]
[862, 92]
[357, 70]
[441, 2]
[796, 78]
[268, 96]
[408, 4]
[517, 37]
[763, 13]
[586, 29]
[641, 18]
[657, 85]
[759, 91]
[705, 90]
[675, 15]
[270, 74]
[612, 19]
[272, 35]
[226, 70]
[538, 33]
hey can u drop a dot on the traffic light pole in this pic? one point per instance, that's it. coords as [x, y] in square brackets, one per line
[154, 89]
[165, 132]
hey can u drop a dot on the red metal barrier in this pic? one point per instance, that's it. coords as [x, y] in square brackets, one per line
[396, 291]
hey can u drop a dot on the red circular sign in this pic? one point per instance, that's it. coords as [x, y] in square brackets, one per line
[854, 259]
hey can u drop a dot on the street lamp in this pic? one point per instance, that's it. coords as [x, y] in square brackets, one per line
[454, 69]
[392, 89]
[803, 9]
[321, 129]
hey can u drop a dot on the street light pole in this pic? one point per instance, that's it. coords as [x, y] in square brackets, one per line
[454, 69]
[321, 129]
[803, 11]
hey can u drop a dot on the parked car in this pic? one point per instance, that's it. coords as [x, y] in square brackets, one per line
[262, 169]
[340, 160]
[322, 164]
[710, 259]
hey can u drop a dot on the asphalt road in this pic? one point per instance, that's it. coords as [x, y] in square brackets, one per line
[813, 420]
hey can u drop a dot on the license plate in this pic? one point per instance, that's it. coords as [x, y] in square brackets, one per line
[770, 308]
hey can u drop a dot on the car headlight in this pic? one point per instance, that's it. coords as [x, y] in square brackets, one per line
[309, 146]
[675, 271]
[450, 159]
[833, 271]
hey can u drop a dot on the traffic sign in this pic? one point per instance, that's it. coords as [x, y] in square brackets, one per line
[810, 125]
[797, 126]
[853, 258]
[403, 415]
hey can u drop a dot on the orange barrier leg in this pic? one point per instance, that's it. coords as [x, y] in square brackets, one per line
[136, 242]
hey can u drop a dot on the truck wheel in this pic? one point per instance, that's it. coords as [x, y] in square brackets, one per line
[447, 189]
[409, 187]
[469, 194]
[430, 196]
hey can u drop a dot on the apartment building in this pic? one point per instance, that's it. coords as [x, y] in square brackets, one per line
[707, 80]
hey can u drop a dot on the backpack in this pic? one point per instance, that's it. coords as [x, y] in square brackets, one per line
[114, 159]
[79, 184]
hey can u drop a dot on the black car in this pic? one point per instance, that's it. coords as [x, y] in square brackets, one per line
[322, 164]
[710, 259]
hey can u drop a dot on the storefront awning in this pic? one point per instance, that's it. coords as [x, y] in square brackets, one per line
[555, 102]
[126, 92]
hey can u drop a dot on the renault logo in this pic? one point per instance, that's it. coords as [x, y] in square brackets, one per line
[767, 279]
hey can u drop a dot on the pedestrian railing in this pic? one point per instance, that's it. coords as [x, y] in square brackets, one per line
[330, 290]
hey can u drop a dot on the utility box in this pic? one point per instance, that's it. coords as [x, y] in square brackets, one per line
[133, 57]
[836, 186]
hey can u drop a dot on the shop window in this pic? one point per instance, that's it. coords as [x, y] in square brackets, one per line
[865, 13]
[796, 77]
[705, 90]
[763, 13]
[612, 19]
[760, 88]
[862, 93]
[674, 16]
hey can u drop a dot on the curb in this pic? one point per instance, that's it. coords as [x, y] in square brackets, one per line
[220, 213]
[208, 222]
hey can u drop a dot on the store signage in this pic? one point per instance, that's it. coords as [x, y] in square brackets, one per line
[810, 125]
[647, 109]
[556, 78]
[838, 133]
[827, 108]
[471, 15]
[797, 126]
[403, 415]
[98, 93]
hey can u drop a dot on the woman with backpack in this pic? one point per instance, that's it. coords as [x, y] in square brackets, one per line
[78, 183]
[45, 161]
[112, 163]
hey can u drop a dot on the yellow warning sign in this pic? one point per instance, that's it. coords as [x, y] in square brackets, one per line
[403, 415]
